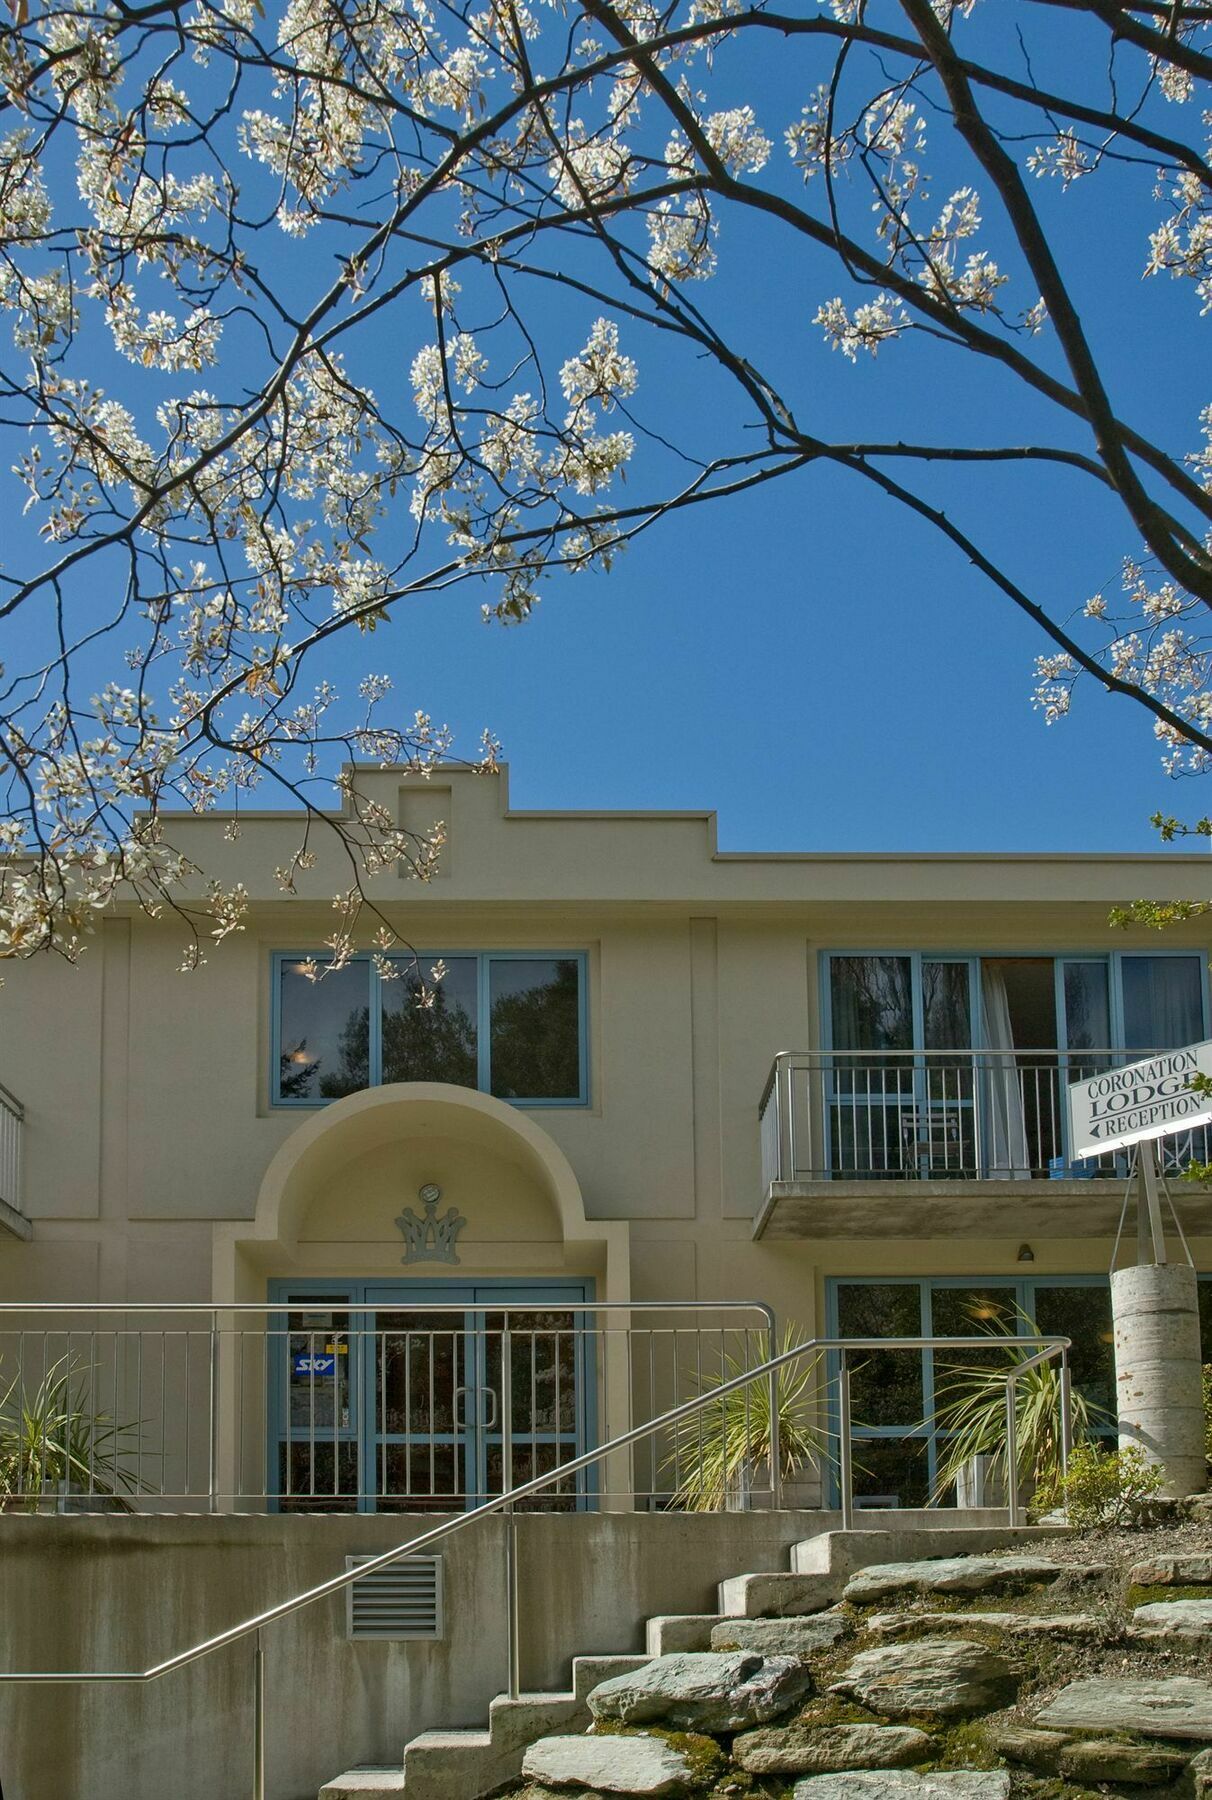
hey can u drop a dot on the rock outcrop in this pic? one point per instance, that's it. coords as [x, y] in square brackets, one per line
[940, 1677]
[704, 1691]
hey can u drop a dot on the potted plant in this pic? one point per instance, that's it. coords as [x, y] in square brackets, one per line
[720, 1455]
[970, 1418]
[52, 1442]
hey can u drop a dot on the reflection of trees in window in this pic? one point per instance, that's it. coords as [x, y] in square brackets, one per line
[885, 1385]
[1084, 1315]
[872, 1003]
[296, 1072]
[428, 1043]
[536, 1037]
[352, 1071]
[945, 1010]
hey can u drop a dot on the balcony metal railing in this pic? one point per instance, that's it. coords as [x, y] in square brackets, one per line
[12, 1131]
[935, 1115]
[322, 1407]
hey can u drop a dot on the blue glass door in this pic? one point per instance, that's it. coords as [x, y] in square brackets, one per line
[424, 1399]
[435, 1426]
[391, 1397]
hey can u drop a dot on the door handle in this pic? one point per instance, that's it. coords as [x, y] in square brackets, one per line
[490, 1424]
[460, 1424]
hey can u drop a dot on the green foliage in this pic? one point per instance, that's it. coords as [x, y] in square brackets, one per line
[51, 1439]
[970, 1411]
[1206, 1386]
[714, 1447]
[1111, 1487]
[1158, 915]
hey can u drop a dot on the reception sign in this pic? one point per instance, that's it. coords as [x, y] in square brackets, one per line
[1148, 1099]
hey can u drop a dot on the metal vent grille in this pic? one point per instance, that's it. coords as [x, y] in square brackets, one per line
[402, 1600]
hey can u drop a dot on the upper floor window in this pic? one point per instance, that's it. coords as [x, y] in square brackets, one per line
[916, 1001]
[511, 1023]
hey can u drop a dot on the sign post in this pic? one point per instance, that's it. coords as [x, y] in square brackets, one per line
[1154, 1303]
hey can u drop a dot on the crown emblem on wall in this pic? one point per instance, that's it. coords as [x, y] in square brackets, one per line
[428, 1238]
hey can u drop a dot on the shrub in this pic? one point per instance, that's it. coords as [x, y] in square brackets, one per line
[1207, 1386]
[1111, 1487]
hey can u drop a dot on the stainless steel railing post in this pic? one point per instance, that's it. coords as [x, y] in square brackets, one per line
[1066, 1412]
[1012, 1502]
[258, 1780]
[512, 1621]
[776, 1448]
[214, 1412]
[845, 1461]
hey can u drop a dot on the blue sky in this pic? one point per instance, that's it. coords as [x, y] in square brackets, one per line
[810, 660]
[814, 663]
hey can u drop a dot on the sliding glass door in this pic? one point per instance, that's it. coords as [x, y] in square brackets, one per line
[896, 1394]
[940, 1066]
[899, 1099]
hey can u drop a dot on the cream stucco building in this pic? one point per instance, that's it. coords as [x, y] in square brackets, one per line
[655, 1073]
[315, 1266]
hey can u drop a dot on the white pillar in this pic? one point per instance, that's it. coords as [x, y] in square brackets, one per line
[1155, 1310]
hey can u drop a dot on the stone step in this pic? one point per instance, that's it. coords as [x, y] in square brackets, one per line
[796, 1636]
[622, 1763]
[911, 1623]
[963, 1576]
[356, 1782]
[670, 1632]
[1186, 1620]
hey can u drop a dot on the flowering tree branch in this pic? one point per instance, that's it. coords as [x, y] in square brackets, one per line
[312, 310]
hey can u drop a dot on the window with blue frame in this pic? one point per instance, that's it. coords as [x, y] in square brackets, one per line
[905, 1000]
[947, 1064]
[895, 1394]
[511, 1023]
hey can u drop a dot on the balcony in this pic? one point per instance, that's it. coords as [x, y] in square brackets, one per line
[12, 1129]
[918, 1142]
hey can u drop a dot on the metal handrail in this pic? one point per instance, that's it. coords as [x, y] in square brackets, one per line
[323, 1304]
[276, 1314]
[1070, 1053]
[1049, 1348]
[927, 1112]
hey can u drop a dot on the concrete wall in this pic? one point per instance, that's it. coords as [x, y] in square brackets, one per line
[114, 1593]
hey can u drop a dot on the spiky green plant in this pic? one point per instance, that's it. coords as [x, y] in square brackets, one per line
[970, 1412]
[51, 1440]
[714, 1447]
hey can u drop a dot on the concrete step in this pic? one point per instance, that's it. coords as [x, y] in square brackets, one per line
[776, 1595]
[669, 1633]
[842, 1553]
[356, 1782]
[462, 1765]
[450, 1765]
[587, 1671]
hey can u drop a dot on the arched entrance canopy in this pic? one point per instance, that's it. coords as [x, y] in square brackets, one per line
[351, 1166]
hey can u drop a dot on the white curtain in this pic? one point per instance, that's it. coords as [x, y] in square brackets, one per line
[1005, 1129]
